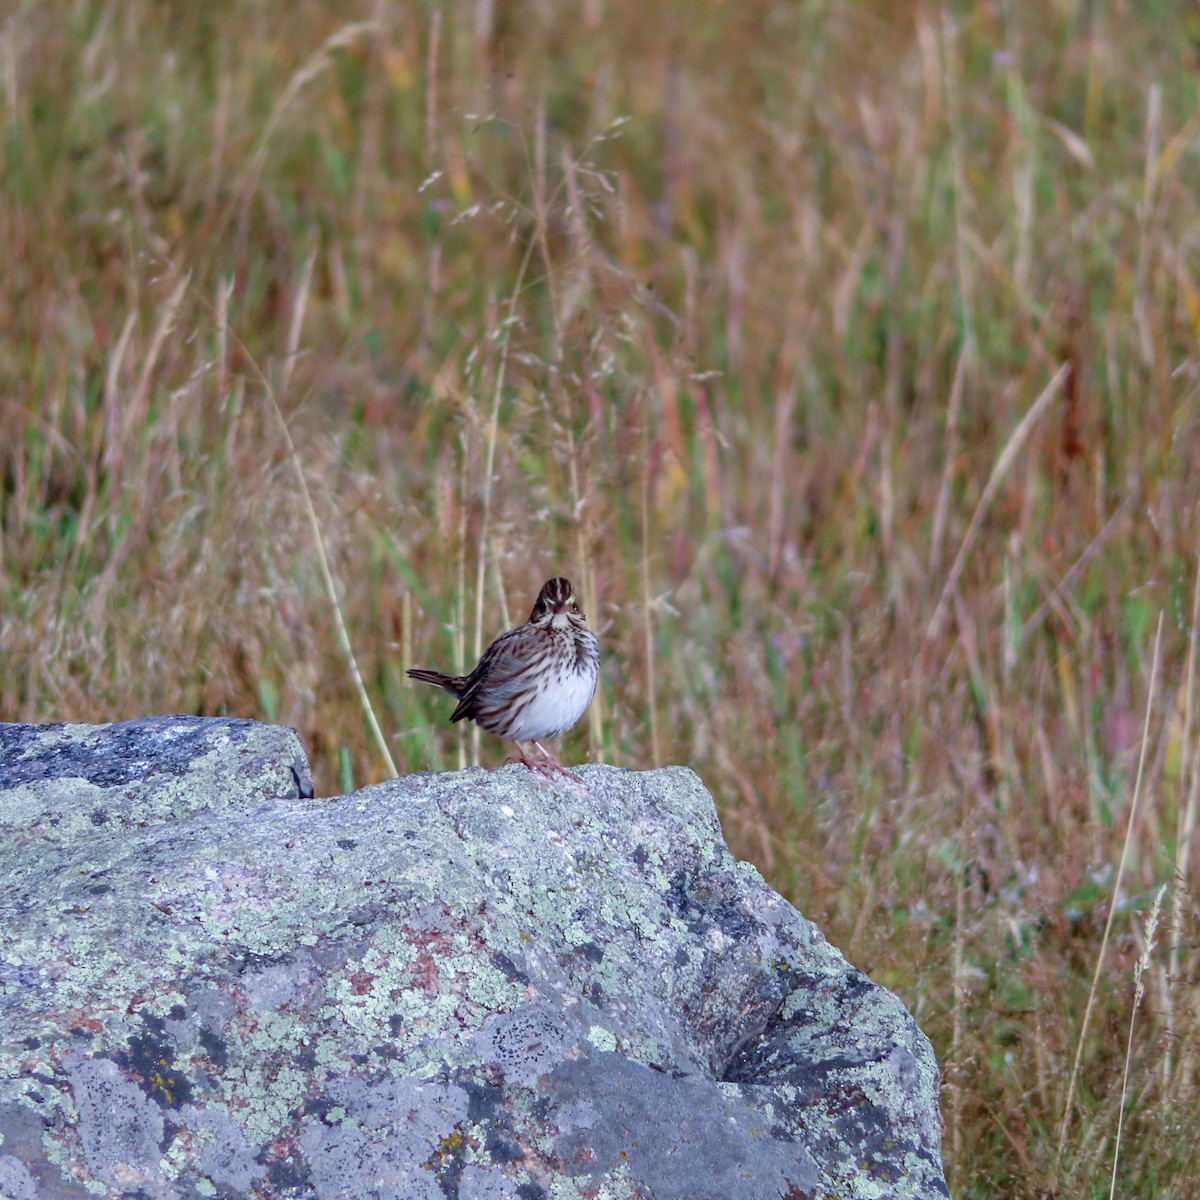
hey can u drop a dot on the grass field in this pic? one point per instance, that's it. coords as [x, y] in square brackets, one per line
[845, 356]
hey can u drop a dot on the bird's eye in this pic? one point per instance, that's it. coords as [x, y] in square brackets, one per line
[573, 602]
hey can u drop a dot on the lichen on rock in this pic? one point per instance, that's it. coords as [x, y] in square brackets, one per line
[483, 985]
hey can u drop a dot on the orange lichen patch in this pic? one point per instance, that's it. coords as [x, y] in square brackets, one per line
[445, 1147]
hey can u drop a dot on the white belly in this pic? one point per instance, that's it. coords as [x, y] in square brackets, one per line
[555, 707]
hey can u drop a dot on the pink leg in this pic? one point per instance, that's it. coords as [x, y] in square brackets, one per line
[532, 764]
[551, 761]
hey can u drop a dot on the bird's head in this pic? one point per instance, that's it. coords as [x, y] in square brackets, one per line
[556, 605]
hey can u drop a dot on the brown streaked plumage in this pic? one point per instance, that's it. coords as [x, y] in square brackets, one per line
[533, 682]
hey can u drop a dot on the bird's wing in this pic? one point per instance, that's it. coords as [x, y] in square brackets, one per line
[500, 669]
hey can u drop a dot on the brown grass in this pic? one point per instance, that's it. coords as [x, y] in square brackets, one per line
[730, 312]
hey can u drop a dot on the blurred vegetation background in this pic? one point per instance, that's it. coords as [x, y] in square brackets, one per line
[845, 356]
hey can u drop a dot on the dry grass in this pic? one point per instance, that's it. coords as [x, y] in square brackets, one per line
[734, 313]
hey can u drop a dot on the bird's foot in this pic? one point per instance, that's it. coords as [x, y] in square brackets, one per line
[522, 757]
[550, 763]
[547, 765]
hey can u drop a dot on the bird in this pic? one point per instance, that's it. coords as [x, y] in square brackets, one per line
[533, 682]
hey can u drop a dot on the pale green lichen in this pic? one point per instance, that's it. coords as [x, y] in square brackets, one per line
[383, 957]
[601, 1038]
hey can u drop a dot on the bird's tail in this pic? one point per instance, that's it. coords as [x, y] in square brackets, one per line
[454, 684]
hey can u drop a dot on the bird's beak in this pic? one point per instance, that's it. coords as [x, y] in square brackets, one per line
[559, 607]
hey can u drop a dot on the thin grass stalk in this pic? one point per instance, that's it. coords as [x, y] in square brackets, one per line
[1141, 308]
[781, 483]
[139, 402]
[459, 636]
[1065, 1122]
[331, 592]
[367, 167]
[113, 442]
[406, 620]
[9, 70]
[959, 1002]
[1089, 552]
[954, 117]
[300, 304]
[647, 628]
[311, 69]
[541, 208]
[224, 293]
[506, 621]
[542, 205]
[943, 501]
[489, 465]
[999, 471]
[220, 138]
[1187, 819]
[431, 87]
[433, 286]
[587, 583]
[1139, 991]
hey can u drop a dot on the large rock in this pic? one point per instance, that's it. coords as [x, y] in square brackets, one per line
[483, 985]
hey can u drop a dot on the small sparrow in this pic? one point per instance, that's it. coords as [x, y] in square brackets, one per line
[533, 682]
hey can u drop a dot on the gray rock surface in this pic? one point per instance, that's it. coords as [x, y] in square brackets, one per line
[483, 985]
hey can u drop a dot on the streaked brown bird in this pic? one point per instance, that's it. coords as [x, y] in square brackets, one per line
[533, 682]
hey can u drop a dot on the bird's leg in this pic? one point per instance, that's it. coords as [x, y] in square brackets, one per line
[532, 764]
[551, 761]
